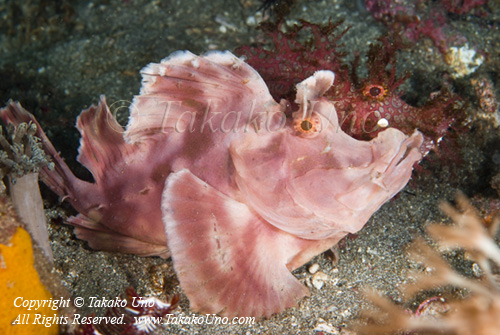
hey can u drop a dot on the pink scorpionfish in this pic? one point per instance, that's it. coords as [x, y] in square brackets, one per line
[211, 172]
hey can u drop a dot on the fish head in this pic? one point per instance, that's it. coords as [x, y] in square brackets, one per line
[311, 179]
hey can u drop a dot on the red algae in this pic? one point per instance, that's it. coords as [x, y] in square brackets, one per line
[365, 106]
[291, 61]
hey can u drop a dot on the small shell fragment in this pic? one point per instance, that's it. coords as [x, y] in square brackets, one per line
[318, 279]
[313, 268]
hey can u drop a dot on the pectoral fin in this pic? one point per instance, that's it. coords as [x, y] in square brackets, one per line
[229, 260]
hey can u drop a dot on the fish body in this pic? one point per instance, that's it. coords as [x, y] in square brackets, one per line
[213, 172]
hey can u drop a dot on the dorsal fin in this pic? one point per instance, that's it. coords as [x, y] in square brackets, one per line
[184, 85]
[102, 143]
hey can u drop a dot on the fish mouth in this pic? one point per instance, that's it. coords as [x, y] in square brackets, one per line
[413, 142]
[407, 155]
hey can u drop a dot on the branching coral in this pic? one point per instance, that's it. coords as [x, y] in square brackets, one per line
[21, 156]
[479, 312]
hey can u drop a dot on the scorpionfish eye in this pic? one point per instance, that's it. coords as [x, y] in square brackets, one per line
[375, 91]
[307, 127]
